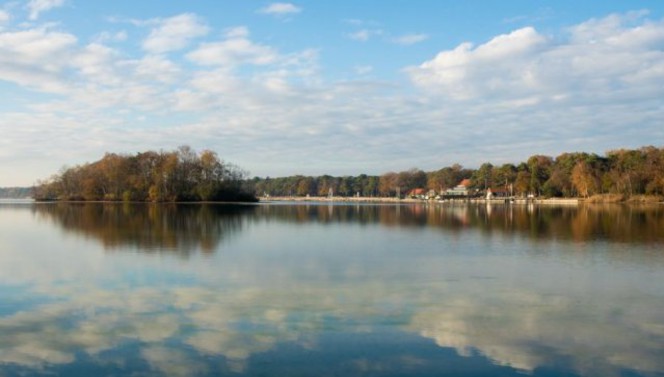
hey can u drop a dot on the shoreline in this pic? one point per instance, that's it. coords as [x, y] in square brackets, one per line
[517, 201]
[376, 200]
[355, 199]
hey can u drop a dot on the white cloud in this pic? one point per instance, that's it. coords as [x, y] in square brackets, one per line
[35, 58]
[95, 62]
[174, 33]
[235, 49]
[280, 9]
[4, 16]
[35, 46]
[35, 7]
[237, 32]
[600, 58]
[363, 69]
[364, 35]
[410, 39]
[504, 63]
[158, 68]
[106, 36]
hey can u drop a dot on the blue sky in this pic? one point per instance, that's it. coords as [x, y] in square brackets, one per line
[326, 87]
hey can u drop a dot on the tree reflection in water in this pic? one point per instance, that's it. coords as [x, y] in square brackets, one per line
[615, 223]
[185, 228]
[181, 229]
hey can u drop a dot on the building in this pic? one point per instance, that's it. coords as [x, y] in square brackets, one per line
[460, 190]
[496, 193]
[418, 193]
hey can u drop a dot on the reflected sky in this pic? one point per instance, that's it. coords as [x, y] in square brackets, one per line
[353, 290]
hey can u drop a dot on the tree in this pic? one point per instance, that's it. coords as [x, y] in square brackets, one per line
[304, 186]
[412, 179]
[388, 184]
[482, 178]
[540, 169]
[164, 176]
[522, 181]
[627, 171]
[504, 176]
[584, 179]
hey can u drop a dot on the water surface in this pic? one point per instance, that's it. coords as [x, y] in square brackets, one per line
[353, 290]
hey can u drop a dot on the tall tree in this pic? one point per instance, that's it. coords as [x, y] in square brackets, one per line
[584, 179]
[540, 169]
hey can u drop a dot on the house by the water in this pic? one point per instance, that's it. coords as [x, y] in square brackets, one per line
[462, 190]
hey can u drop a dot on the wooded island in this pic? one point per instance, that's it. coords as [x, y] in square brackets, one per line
[177, 176]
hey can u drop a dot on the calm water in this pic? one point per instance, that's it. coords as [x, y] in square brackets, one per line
[332, 290]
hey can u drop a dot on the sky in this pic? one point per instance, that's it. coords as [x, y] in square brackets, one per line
[339, 87]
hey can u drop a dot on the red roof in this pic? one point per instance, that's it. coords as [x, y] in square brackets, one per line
[418, 191]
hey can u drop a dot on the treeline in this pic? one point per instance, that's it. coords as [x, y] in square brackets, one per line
[180, 175]
[625, 172]
[185, 175]
[15, 192]
[388, 184]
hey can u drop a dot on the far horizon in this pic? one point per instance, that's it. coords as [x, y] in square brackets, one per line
[315, 88]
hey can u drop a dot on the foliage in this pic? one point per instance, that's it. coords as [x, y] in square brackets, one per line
[622, 172]
[184, 175]
[180, 175]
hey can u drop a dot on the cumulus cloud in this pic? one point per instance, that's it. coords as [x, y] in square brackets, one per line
[174, 33]
[280, 9]
[598, 58]
[410, 39]
[36, 46]
[235, 49]
[35, 7]
[96, 62]
[503, 63]
[158, 68]
[36, 57]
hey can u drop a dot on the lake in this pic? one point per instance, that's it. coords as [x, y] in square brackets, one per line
[287, 289]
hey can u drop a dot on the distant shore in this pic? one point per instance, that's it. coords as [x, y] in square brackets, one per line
[606, 199]
[598, 199]
[356, 199]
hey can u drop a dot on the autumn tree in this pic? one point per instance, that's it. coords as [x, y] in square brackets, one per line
[181, 175]
[504, 175]
[584, 179]
[389, 184]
